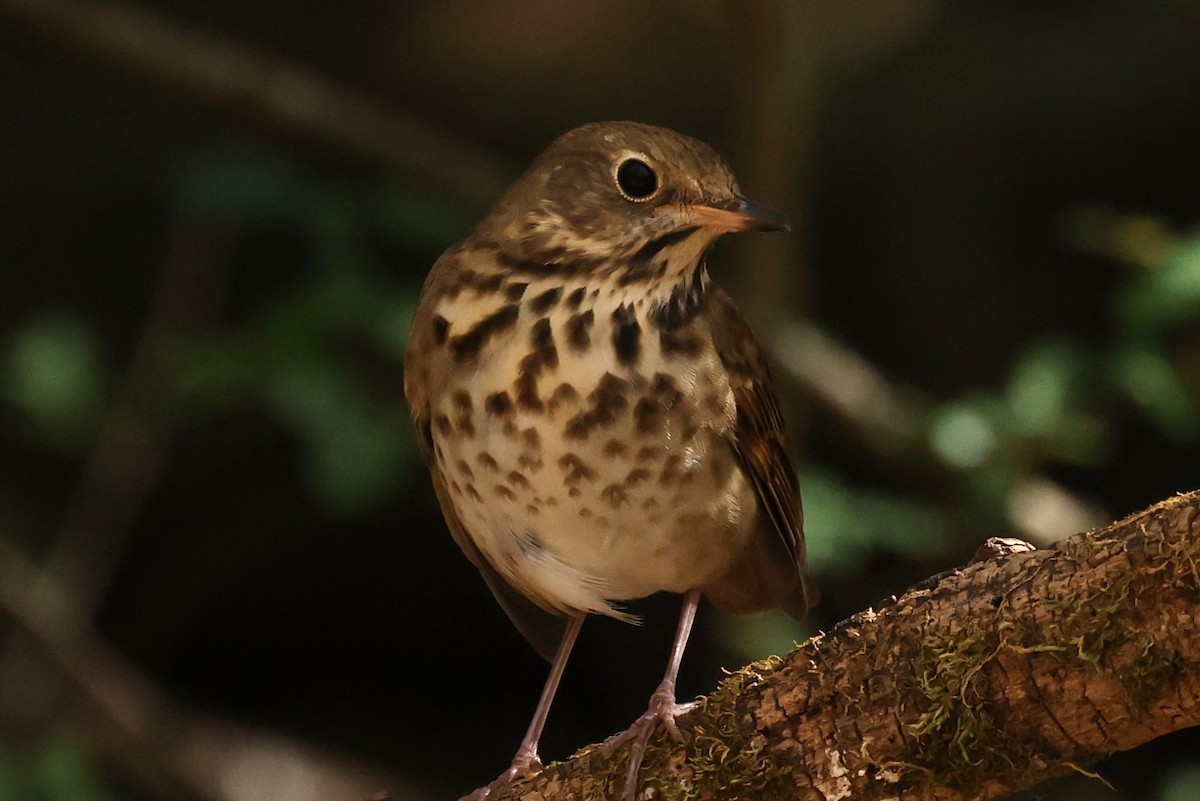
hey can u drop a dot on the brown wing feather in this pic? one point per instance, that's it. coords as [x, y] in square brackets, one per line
[758, 441]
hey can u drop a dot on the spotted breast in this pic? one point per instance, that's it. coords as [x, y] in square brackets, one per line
[581, 434]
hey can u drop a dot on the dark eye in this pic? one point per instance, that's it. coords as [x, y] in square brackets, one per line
[636, 179]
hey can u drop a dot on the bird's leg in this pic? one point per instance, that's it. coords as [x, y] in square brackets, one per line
[663, 708]
[526, 761]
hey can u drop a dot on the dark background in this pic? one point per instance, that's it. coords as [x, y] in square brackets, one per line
[214, 220]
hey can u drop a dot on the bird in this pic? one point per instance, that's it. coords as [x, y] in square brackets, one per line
[597, 417]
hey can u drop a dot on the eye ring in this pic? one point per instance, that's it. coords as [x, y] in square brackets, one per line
[635, 179]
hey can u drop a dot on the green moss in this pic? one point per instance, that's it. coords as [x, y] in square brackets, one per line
[723, 755]
[959, 741]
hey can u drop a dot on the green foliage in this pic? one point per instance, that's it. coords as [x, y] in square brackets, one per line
[314, 353]
[1182, 784]
[58, 772]
[53, 375]
[1166, 295]
[852, 521]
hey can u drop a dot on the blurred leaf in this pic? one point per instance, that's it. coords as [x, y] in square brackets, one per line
[1046, 396]
[964, 433]
[751, 637]
[354, 455]
[392, 321]
[1182, 783]
[53, 373]
[64, 774]
[255, 187]
[1043, 384]
[60, 772]
[249, 187]
[1139, 239]
[846, 524]
[1167, 296]
[1150, 380]
[416, 220]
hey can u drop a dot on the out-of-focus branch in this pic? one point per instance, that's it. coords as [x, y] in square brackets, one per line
[1021, 666]
[871, 409]
[170, 751]
[119, 475]
[848, 386]
[284, 95]
[893, 428]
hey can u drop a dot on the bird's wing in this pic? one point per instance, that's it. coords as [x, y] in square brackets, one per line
[542, 628]
[758, 441]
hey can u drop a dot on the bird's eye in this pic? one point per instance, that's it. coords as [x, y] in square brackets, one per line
[636, 179]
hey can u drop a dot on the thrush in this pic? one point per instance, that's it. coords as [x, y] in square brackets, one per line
[596, 414]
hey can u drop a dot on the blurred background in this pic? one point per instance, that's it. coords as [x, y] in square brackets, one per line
[223, 573]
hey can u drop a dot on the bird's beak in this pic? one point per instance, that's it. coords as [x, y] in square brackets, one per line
[737, 214]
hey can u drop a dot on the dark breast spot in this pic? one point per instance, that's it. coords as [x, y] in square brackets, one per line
[469, 344]
[684, 342]
[441, 328]
[574, 299]
[648, 453]
[578, 328]
[663, 387]
[670, 471]
[626, 334]
[646, 254]
[544, 356]
[530, 462]
[499, 404]
[605, 402]
[525, 386]
[542, 341]
[542, 303]
[615, 495]
[648, 414]
[685, 302]
[486, 282]
[637, 476]
[487, 462]
[563, 394]
[615, 449]
[575, 469]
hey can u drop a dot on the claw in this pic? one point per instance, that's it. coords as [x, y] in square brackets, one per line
[524, 764]
[662, 710]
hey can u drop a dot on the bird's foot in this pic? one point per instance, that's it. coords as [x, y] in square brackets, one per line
[525, 763]
[663, 710]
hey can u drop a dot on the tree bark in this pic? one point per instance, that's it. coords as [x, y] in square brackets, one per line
[1023, 665]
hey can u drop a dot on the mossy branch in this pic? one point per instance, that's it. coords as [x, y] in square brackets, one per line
[1023, 665]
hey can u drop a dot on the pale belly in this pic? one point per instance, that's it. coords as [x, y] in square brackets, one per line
[606, 493]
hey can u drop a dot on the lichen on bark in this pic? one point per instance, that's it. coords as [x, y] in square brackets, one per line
[1020, 666]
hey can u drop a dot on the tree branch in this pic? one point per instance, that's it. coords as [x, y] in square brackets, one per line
[1021, 666]
[282, 94]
